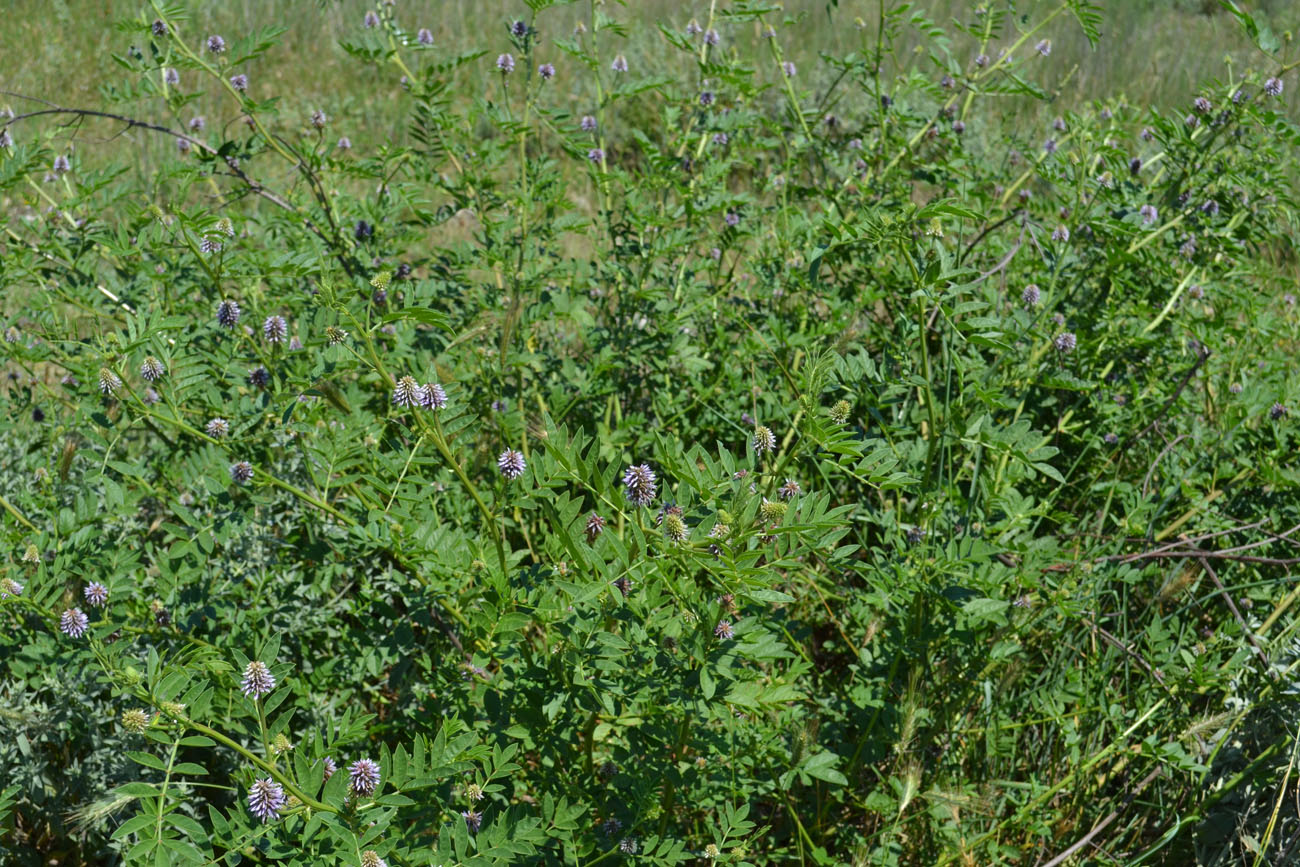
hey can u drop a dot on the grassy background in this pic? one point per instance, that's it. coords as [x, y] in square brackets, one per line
[1153, 52]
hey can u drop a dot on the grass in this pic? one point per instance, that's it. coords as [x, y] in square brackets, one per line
[1151, 53]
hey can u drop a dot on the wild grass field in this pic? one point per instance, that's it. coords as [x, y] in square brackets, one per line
[591, 432]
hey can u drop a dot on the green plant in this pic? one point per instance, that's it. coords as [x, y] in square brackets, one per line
[738, 457]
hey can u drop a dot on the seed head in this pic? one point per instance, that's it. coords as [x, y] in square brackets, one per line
[474, 792]
[95, 594]
[266, 799]
[241, 472]
[1064, 342]
[364, 775]
[764, 440]
[724, 630]
[595, 526]
[840, 411]
[228, 313]
[675, 528]
[406, 393]
[432, 396]
[258, 680]
[135, 720]
[639, 485]
[511, 463]
[109, 382]
[370, 858]
[1031, 295]
[216, 44]
[74, 623]
[771, 511]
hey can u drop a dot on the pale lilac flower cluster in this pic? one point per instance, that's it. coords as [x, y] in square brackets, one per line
[258, 680]
[512, 464]
[266, 799]
[364, 774]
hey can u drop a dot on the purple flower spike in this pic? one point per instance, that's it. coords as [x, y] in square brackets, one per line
[364, 774]
[95, 594]
[512, 464]
[639, 485]
[258, 680]
[266, 799]
[74, 623]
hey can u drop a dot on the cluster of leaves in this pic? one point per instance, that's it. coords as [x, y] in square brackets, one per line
[972, 454]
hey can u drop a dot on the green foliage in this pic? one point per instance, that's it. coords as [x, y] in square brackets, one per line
[1011, 565]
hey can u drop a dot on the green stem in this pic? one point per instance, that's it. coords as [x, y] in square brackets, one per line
[279, 777]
